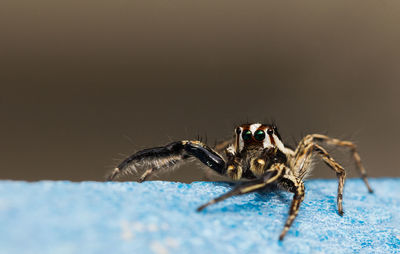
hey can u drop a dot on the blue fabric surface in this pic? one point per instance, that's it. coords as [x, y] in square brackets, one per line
[160, 217]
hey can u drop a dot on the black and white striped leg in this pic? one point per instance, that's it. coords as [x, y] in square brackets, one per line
[271, 176]
[162, 157]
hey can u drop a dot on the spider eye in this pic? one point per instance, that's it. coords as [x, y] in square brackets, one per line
[259, 135]
[246, 135]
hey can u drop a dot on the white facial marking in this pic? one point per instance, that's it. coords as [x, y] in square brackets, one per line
[241, 144]
[278, 143]
[281, 146]
[267, 140]
[254, 127]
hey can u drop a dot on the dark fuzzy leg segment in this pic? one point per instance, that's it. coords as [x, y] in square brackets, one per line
[169, 155]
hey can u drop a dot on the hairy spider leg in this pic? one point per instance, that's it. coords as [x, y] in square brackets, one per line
[305, 155]
[233, 164]
[272, 175]
[294, 208]
[336, 142]
[167, 156]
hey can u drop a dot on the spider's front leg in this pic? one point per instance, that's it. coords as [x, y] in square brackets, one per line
[272, 175]
[278, 173]
[167, 156]
[298, 189]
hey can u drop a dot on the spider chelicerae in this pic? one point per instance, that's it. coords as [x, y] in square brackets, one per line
[257, 153]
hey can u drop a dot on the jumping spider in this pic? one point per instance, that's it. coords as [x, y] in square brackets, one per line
[257, 153]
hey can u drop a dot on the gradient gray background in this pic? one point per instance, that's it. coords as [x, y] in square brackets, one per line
[86, 83]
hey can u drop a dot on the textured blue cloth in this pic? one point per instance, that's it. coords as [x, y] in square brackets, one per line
[160, 217]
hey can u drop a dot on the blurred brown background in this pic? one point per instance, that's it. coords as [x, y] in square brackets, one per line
[86, 83]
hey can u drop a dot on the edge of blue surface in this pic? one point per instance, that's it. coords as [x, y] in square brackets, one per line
[159, 217]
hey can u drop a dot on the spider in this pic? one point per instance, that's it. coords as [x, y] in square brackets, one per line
[256, 153]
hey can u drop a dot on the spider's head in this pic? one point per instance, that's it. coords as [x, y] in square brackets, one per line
[257, 136]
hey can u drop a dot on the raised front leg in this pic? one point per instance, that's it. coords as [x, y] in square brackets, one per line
[166, 156]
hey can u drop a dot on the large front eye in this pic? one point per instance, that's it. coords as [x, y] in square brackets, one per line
[246, 135]
[259, 135]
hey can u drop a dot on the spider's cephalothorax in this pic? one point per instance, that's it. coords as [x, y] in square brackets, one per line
[257, 153]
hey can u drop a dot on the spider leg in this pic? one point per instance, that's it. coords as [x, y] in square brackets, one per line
[146, 175]
[272, 175]
[343, 143]
[305, 156]
[166, 156]
[294, 207]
